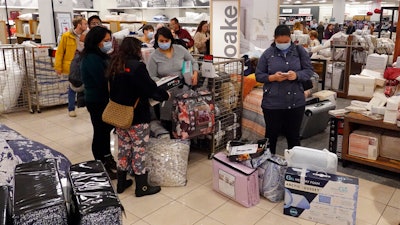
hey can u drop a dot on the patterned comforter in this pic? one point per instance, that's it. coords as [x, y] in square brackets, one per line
[253, 124]
[18, 149]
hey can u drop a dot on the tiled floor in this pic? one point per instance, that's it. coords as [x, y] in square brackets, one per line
[196, 203]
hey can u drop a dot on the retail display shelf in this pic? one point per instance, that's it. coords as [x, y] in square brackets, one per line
[167, 21]
[353, 121]
[18, 7]
[124, 21]
[86, 9]
[157, 8]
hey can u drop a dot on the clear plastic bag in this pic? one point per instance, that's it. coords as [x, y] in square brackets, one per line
[167, 161]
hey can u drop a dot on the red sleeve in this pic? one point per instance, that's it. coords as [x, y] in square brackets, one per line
[186, 34]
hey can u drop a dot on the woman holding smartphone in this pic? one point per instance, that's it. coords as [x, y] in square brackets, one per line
[282, 68]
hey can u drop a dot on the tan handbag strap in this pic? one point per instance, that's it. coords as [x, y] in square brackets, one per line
[137, 101]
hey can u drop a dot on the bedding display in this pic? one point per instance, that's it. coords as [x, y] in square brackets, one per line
[224, 80]
[167, 160]
[11, 78]
[5, 206]
[42, 201]
[95, 201]
[45, 86]
[17, 149]
[253, 124]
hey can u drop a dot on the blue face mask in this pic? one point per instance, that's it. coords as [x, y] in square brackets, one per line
[283, 46]
[150, 35]
[106, 46]
[164, 46]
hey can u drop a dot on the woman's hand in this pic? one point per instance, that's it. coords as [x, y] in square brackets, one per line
[282, 76]
[279, 77]
[195, 78]
[291, 75]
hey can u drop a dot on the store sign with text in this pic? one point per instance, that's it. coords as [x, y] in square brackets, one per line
[225, 36]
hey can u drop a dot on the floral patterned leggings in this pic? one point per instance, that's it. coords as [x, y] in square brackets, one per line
[132, 144]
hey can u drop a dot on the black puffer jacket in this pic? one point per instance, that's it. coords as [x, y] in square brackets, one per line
[135, 83]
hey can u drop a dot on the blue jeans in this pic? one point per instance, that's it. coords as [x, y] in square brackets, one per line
[71, 99]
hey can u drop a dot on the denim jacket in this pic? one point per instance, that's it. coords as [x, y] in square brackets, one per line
[286, 94]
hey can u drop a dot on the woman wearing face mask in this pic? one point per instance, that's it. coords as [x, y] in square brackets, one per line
[282, 68]
[148, 32]
[93, 66]
[167, 60]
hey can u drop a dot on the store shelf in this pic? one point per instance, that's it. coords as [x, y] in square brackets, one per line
[85, 10]
[157, 8]
[115, 26]
[18, 7]
[167, 21]
[352, 121]
[351, 67]
[22, 35]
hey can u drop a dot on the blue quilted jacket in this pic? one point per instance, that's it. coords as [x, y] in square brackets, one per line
[286, 94]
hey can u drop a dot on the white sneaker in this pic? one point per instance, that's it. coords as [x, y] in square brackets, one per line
[72, 114]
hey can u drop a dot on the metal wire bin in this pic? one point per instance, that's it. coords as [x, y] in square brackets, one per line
[227, 92]
[14, 94]
[46, 87]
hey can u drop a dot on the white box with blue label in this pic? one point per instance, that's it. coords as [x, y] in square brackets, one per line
[321, 197]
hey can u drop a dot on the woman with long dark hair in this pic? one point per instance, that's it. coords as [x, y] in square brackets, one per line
[202, 38]
[130, 83]
[93, 68]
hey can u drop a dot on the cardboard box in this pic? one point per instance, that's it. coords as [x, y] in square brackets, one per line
[364, 144]
[236, 181]
[390, 145]
[393, 103]
[169, 82]
[361, 86]
[390, 116]
[320, 197]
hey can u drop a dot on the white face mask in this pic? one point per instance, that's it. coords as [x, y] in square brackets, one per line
[283, 46]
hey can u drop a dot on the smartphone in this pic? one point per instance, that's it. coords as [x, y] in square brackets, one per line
[285, 73]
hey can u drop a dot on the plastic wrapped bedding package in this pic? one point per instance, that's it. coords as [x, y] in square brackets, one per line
[11, 78]
[42, 201]
[5, 206]
[94, 198]
[167, 161]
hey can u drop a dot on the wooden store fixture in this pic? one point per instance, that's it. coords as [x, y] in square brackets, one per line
[353, 121]
[319, 66]
[23, 36]
[3, 32]
[351, 67]
[115, 26]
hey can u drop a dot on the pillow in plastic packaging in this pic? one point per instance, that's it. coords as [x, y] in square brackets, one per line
[272, 178]
[167, 161]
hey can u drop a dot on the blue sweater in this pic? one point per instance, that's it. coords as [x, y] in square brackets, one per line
[286, 94]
